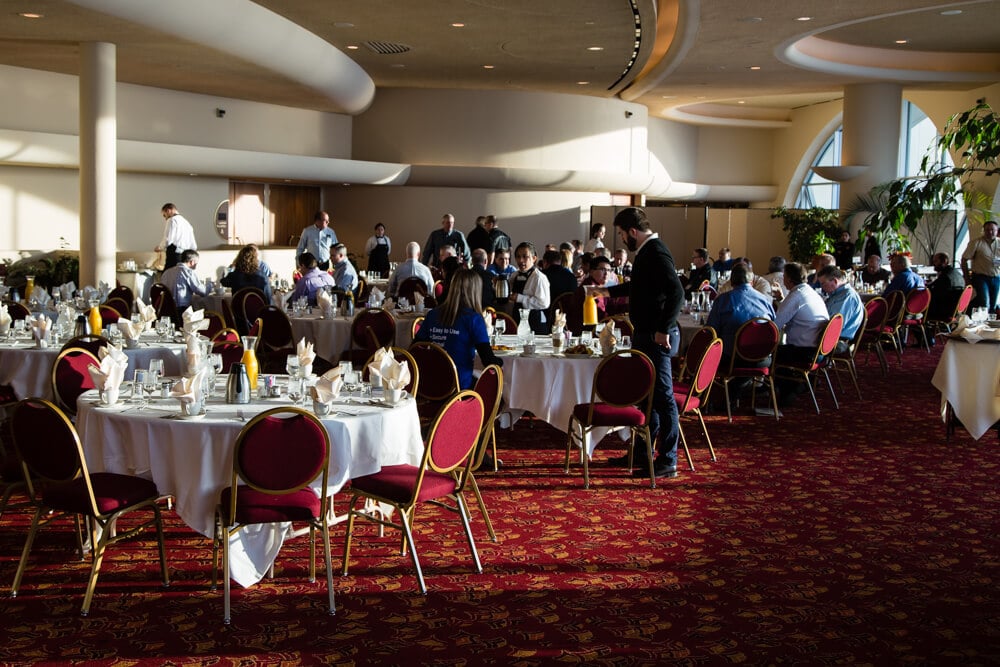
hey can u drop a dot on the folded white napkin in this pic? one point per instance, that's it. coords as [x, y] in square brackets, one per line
[388, 304]
[146, 313]
[559, 320]
[306, 356]
[111, 372]
[418, 300]
[187, 390]
[4, 316]
[131, 330]
[66, 290]
[42, 297]
[193, 320]
[488, 319]
[327, 387]
[607, 339]
[194, 351]
[90, 293]
[40, 327]
[376, 295]
[324, 301]
[103, 289]
[384, 370]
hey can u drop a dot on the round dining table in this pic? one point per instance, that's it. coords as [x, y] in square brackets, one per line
[332, 336]
[191, 459]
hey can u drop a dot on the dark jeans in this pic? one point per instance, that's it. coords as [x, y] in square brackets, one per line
[987, 291]
[663, 422]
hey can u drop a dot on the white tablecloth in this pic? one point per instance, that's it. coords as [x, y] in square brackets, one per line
[331, 337]
[192, 459]
[29, 369]
[968, 377]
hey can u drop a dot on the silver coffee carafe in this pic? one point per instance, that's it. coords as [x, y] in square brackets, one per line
[238, 385]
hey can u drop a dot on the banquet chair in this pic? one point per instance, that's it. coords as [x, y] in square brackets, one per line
[227, 314]
[70, 377]
[409, 287]
[399, 354]
[275, 339]
[163, 301]
[216, 323]
[109, 314]
[562, 303]
[415, 327]
[960, 307]
[846, 358]
[278, 457]
[918, 300]
[18, 311]
[371, 329]
[819, 360]
[754, 343]
[120, 305]
[123, 292]
[443, 472]
[621, 396]
[90, 342]
[889, 333]
[489, 387]
[700, 341]
[226, 335]
[877, 310]
[690, 399]
[247, 304]
[362, 291]
[59, 483]
[438, 379]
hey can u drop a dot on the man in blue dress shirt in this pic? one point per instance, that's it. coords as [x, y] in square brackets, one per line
[733, 308]
[318, 239]
[344, 274]
[842, 298]
[904, 278]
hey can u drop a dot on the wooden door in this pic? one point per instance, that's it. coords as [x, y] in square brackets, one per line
[292, 208]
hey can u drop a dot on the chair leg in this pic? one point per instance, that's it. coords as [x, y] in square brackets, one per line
[351, 513]
[482, 507]
[35, 522]
[725, 390]
[408, 538]
[324, 528]
[774, 397]
[463, 512]
[805, 378]
[162, 548]
[98, 545]
[687, 452]
[829, 384]
[711, 450]
[853, 369]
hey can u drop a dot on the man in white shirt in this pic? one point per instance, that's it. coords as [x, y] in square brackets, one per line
[182, 281]
[981, 261]
[317, 239]
[802, 315]
[178, 235]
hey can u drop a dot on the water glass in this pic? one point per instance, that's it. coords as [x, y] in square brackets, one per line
[296, 389]
[139, 382]
[156, 368]
[292, 366]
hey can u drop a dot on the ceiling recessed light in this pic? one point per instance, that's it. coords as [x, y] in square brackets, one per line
[352, 47]
[669, 97]
[951, 12]
[754, 67]
[750, 19]
[595, 48]
[343, 24]
[31, 15]
[398, 65]
[741, 102]
[902, 41]
[487, 66]
[583, 83]
[804, 18]
[457, 25]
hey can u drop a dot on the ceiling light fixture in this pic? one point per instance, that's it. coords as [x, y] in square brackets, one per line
[457, 25]
[31, 15]
[804, 18]
[741, 101]
[595, 48]
[902, 41]
[951, 12]
[352, 47]
[487, 66]
[583, 83]
[755, 68]
[343, 24]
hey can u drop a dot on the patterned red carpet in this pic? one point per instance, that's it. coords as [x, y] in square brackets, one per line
[855, 536]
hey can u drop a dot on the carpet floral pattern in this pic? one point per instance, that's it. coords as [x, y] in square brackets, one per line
[855, 536]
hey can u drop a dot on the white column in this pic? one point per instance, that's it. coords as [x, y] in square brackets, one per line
[98, 163]
[871, 136]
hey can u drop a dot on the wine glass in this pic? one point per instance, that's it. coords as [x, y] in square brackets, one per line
[140, 382]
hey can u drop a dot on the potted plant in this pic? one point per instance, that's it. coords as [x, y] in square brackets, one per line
[811, 231]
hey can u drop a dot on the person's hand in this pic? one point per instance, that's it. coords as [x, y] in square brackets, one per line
[157, 249]
[661, 338]
[595, 290]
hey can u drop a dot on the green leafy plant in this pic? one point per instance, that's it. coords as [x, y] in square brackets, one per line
[54, 268]
[811, 231]
[894, 211]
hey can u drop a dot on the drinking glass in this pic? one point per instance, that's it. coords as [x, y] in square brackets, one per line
[140, 380]
[292, 366]
[296, 389]
[156, 368]
[216, 361]
[499, 327]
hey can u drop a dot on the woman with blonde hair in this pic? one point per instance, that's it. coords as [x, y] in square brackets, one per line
[457, 325]
[246, 272]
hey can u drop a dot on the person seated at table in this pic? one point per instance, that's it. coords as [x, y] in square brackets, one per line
[344, 274]
[312, 280]
[904, 278]
[561, 279]
[411, 268]
[802, 316]
[843, 251]
[529, 289]
[841, 298]
[182, 281]
[873, 272]
[759, 283]
[724, 262]
[621, 264]
[600, 267]
[701, 272]
[501, 264]
[776, 276]
[457, 325]
[481, 260]
[246, 273]
[819, 262]
[946, 288]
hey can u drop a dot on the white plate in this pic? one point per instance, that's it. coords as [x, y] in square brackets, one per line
[579, 356]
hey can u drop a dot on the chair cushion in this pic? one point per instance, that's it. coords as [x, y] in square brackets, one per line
[751, 371]
[680, 398]
[254, 506]
[396, 482]
[610, 415]
[111, 490]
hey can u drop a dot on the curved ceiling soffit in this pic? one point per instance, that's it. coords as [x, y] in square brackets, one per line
[676, 30]
[249, 31]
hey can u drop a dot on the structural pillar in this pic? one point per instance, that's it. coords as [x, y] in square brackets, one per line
[98, 163]
[872, 113]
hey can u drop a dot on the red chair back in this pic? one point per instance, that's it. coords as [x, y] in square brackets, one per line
[163, 301]
[276, 330]
[702, 338]
[46, 441]
[108, 314]
[896, 308]
[918, 300]
[707, 367]
[282, 450]
[89, 342]
[248, 303]
[964, 300]
[755, 340]
[216, 323]
[120, 305]
[438, 375]
[455, 432]
[373, 328]
[18, 311]
[878, 310]
[625, 378]
[70, 376]
[831, 334]
[231, 351]
[123, 292]
[411, 286]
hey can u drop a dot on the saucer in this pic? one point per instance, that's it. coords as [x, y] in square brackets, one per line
[183, 417]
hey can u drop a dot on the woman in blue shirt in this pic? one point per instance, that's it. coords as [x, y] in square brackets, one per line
[457, 325]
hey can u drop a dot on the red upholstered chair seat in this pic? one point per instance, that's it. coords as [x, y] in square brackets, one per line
[396, 483]
[681, 397]
[750, 371]
[254, 506]
[111, 491]
[610, 415]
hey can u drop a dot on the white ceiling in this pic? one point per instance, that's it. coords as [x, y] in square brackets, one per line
[691, 59]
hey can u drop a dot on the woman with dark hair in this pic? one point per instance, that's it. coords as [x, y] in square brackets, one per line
[457, 325]
[378, 248]
[596, 240]
[246, 273]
